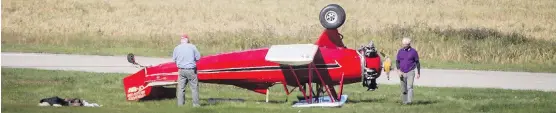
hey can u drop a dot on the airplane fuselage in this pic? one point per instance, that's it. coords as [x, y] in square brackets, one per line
[248, 69]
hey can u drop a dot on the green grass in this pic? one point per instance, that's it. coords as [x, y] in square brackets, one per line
[23, 88]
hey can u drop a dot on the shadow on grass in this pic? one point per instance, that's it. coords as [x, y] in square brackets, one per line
[212, 101]
[422, 102]
[378, 100]
[273, 101]
[160, 93]
[366, 100]
[165, 93]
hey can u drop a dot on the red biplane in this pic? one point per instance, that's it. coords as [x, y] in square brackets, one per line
[327, 63]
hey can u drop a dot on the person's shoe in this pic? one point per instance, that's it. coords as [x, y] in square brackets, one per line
[196, 105]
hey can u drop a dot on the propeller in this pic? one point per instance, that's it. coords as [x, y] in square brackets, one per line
[131, 59]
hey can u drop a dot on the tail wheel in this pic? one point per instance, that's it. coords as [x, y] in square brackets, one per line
[332, 16]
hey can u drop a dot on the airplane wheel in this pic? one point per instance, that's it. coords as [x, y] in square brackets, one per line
[130, 58]
[332, 16]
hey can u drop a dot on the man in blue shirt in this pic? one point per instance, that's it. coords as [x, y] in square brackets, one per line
[407, 61]
[185, 56]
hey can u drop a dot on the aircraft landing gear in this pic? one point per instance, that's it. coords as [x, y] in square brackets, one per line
[332, 16]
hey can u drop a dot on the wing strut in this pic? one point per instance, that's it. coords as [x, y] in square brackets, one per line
[302, 55]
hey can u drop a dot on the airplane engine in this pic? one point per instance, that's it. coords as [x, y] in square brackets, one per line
[371, 70]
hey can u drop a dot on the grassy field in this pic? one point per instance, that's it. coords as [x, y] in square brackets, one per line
[516, 35]
[23, 88]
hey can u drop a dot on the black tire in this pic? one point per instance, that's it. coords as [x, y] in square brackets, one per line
[332, 16]
[131, 58]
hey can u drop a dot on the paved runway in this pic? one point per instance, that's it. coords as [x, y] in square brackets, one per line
[429, 77]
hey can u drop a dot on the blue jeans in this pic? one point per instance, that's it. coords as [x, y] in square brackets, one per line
[187, 76]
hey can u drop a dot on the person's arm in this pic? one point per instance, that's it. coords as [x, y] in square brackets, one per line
[417, 63]
[397, 64]
[197, 54]
[398, 61]
[174, 55]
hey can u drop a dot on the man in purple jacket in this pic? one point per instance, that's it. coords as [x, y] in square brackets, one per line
[407, 61]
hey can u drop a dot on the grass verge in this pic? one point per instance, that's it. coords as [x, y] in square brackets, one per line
[23, 88]
[472, 48]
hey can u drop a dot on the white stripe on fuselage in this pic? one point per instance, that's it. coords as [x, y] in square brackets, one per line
[242, 69]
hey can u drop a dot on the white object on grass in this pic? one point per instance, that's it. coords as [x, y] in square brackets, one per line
[324, 101]
[44, 104]
[87, 104]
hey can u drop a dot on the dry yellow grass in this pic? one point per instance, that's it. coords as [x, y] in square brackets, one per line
[121, 18]
[444, 30]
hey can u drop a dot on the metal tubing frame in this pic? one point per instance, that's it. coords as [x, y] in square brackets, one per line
[310, 82]
[341, 87]
[325, 86]
[298, 83]
[286, 87]
[309, 98]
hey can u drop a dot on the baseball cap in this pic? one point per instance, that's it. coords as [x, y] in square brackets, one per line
[184, 36]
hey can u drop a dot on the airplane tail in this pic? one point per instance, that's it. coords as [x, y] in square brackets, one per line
[147, 83]
[135, 86]
[139, 85]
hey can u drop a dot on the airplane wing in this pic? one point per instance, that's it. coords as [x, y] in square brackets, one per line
[292, 54]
